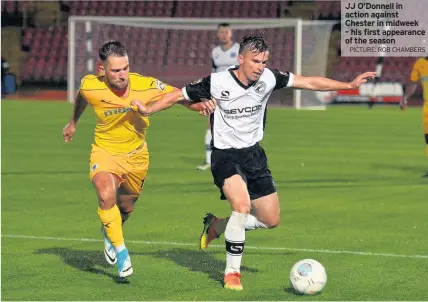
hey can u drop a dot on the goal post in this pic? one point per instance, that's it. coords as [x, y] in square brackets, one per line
[177, 50]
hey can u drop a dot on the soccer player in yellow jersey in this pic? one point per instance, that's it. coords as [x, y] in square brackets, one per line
[119, 158]
[419, 74]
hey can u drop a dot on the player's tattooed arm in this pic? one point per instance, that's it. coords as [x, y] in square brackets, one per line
[205, 108]
[79, 107]
[198, 91]
[165, 102]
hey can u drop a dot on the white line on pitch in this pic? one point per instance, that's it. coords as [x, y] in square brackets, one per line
[265, 248]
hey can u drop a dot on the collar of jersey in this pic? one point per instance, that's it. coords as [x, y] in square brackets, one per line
[237, 80]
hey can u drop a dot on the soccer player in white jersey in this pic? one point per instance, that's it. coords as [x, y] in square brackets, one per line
[239, 164]
[223, 56]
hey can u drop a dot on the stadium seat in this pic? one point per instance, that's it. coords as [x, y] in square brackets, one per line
[10, 6]
[122, 8]
[327, 10]
[28, 37]
[229, 9]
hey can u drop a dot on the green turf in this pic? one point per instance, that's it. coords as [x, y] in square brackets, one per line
[348, 179]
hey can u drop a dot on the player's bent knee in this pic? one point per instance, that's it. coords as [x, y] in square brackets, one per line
[272, 222]
[106, 198]
[105, 184]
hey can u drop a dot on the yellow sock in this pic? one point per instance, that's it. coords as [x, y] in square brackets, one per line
[112, 223]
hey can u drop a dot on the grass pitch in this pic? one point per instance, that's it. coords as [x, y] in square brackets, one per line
[351, 193]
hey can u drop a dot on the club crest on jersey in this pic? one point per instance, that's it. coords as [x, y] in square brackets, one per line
[260, 87]
[94, 167]
[160, 85]
[233, 55]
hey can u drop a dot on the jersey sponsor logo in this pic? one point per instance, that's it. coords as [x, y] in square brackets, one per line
[249, 109]
[116, 111]
[260, 87]
[104, 101]
[225, 94]
[233, 55]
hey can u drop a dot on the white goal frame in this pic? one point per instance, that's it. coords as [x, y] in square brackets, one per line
[181, 23]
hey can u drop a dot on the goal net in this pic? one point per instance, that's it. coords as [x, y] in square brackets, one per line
[178, 50]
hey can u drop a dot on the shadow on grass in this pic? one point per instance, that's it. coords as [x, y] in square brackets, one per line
[94, 262]
[198, 261]
[87, 261]
[290, 290]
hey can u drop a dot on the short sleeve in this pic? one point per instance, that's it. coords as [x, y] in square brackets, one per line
[198, 90]
[283, 79]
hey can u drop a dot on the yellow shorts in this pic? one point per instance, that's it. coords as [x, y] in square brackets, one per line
[130, 168]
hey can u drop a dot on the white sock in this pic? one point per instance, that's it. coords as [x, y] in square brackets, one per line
[208, 157]
[208, 138]
[252, 223]
[235, 239]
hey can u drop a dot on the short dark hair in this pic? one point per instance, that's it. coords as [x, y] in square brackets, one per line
[253, 43]
[223, 25]
[112, 48]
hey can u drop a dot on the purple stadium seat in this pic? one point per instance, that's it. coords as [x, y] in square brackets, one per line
[122, 8]
[10, 6]
[28, 36]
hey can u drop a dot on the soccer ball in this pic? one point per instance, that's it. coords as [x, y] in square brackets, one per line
[308, 277]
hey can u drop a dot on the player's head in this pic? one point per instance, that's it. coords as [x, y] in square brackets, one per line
[115, 63]
[224, 33]
[253, 56]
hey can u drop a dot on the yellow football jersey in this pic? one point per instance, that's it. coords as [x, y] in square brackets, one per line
[120, 129]
[420, 73]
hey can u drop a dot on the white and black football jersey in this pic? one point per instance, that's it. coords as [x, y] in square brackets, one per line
[239, 118]
[223, 59]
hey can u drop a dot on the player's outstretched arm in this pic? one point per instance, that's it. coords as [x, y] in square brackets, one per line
[165, 102]
[205, 108]
[79, 107]
[325, 84]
